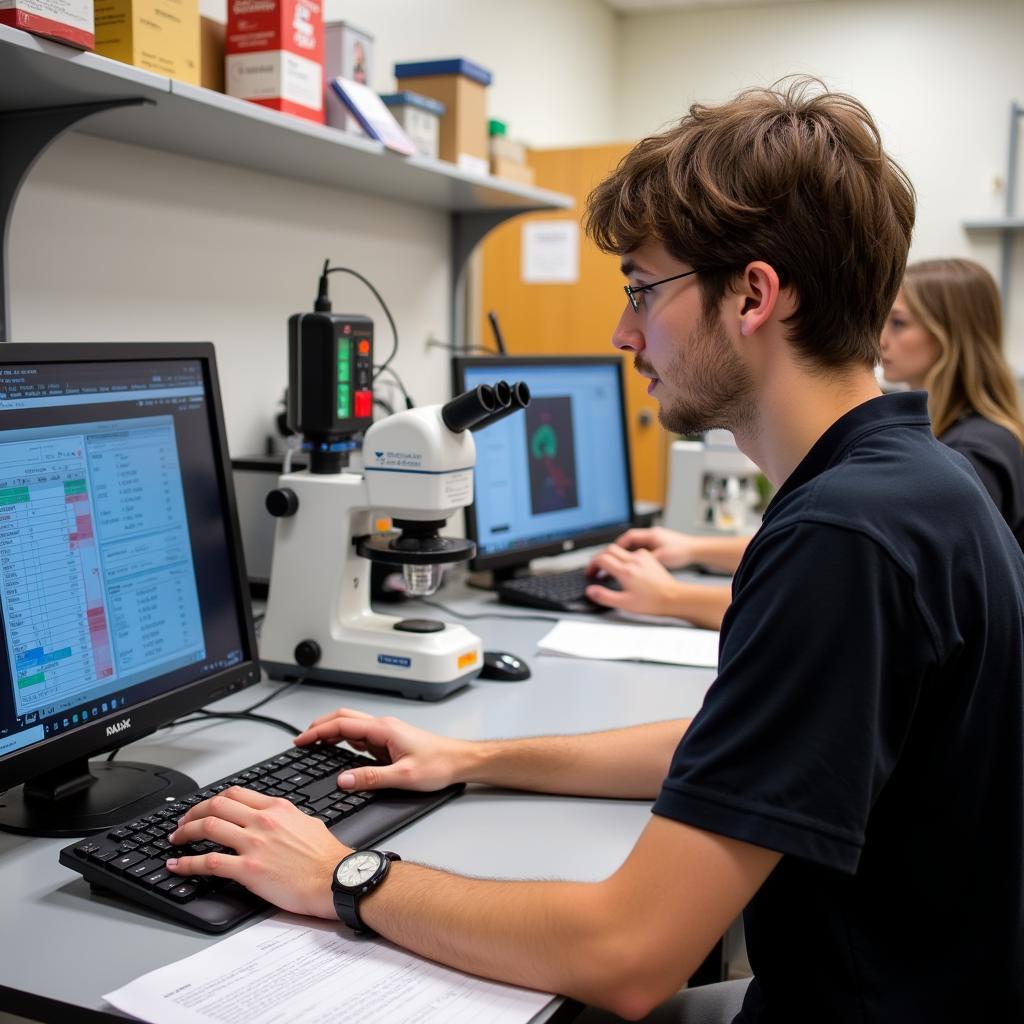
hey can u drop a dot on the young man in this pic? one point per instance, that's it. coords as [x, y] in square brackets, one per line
[854, 777]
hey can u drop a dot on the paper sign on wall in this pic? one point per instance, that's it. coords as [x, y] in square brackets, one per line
[551, 252]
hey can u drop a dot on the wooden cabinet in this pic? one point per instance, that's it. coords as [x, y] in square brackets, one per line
[575, 319]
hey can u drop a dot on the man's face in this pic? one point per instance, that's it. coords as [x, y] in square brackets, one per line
[696, 374]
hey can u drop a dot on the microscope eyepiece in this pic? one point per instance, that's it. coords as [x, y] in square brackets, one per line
[519, 398]
[503, 393]
[469, 408]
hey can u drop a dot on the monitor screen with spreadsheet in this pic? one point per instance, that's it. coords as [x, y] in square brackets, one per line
[122, 594]
[557, 476]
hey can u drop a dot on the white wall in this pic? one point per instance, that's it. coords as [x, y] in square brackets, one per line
[116, 241]
[112, 241]
[938, 75]
[121, 243]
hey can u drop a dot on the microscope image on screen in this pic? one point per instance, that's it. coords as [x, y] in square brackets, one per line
[552, 455]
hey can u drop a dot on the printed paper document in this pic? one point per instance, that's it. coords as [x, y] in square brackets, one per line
[294, 970]
[671, 645]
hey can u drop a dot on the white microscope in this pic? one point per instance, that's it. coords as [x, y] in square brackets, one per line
[414, 467]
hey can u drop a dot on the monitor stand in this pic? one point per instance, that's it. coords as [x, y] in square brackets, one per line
[82, 797]
[488, 579]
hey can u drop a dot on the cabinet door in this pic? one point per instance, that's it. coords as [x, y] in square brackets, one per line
[572, 319]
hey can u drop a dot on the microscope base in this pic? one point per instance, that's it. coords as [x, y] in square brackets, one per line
[411, 688]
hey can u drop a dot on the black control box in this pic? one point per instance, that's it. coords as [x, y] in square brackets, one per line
[330, 377]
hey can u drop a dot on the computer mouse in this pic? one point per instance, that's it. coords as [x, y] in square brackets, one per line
[505, 668]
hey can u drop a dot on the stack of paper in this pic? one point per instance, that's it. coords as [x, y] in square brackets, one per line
[311, 972]
[669, 645]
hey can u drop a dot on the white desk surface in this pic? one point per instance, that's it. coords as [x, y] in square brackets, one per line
[64, 946]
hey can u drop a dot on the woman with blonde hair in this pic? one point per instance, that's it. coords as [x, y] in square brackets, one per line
[944, 334]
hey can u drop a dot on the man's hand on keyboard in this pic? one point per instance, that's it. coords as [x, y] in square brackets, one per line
[647, 586]
[280, 853]
[410, 758]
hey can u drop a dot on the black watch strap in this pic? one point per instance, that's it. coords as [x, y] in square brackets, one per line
[346, 903]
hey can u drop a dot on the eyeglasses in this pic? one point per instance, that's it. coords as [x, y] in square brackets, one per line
[634, 292]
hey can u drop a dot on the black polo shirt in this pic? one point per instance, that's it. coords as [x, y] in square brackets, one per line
[868, 722]
[998, 460]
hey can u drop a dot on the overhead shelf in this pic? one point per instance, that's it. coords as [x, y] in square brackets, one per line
[47, 88]
[995, 224]
[36, 73]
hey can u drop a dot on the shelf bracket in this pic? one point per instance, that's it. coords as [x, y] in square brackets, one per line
[468, 230]
[1007, 240]
[24, 136]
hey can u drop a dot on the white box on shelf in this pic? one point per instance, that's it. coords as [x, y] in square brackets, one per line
[420, 116]
[348, 53]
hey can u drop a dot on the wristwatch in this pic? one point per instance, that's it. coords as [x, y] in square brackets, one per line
[356, 876]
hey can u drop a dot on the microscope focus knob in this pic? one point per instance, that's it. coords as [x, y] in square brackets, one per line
[307, 653]
[282, 501]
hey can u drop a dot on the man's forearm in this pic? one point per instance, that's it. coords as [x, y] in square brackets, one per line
[625, 943]
[542, 935]
[703, 605]
[627, 763]
[723, 554]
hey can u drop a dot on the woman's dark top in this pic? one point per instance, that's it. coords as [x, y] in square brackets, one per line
[998, 460]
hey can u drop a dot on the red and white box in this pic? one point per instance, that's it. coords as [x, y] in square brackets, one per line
[68, 21]
[274, 55]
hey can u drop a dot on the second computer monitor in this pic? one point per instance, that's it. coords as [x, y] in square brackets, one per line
[557, 476]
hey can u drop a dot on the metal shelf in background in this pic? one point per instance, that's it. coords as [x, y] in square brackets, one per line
[47, 88]
[1011, 223]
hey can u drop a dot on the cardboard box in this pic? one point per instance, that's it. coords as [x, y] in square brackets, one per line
[462, 87]
[420, 116]
[211, 53]
[158, 35]
[348, 53]
[511, 170]
[67, 21]
[274, 55]
[501, 146]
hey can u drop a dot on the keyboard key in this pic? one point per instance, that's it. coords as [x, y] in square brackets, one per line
[144, 868]
[125, 861]
[182, 893]
[160, 875]
[84, 849]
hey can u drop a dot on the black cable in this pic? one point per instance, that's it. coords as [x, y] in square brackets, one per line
[409, 403]
[386, 406]
[438, 343]
[486, 615]
[498, 339]
[328, 269]
[248, 716]
[277, 693]
[202, 714]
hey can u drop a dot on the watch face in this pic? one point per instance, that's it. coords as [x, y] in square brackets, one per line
[357, 868]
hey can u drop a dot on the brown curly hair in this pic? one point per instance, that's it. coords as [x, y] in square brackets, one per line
[793, 175]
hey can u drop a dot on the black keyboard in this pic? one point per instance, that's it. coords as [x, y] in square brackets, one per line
[558, 591]
[129, 859]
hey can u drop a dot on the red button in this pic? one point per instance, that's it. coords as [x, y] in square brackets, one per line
[364, 403]
[364, 347]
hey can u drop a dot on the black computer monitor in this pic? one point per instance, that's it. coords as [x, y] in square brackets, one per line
[123, 598]
[556, 477]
